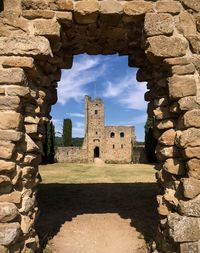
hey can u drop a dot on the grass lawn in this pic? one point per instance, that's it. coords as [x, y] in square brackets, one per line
[91, 173]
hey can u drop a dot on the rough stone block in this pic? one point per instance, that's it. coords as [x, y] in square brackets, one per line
[31, 128]
[30, 145]
[12, 76]
[168, 137]
[194, 168]
[9, 102]
[195, 43]
[157, 24]
[193, 247]
[189, 137]
[168, 6]
[6, 149]
[135, 9]
[14, 90]
[182, 86]
[163, 113]
[9, 233]
[192, 4]
[5, 185]
[33, 14]
[10, 120]
[64, 17]
[25, 46]
[192, 152]
[188, 103]
[34, 4]
[6, 167]
[46, 27]
[186, 24]
[165, 124]
[191, 119]
[190, 207]
[183, 229]
[174, 166]
[13, 197]
[9, 135]
[18, 62]
[191, 187]
[183, 69]
[86, 11]
[110, 11]
[164, 152]
[8, 212]
[178, 61]
[163, 46]
[61, 5]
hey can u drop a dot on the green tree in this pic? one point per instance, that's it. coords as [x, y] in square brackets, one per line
[67, 132]
[150, 141]
[49, 143]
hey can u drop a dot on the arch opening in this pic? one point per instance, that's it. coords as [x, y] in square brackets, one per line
[96, 152]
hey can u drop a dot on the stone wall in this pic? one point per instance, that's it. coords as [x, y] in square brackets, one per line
[71, 155]
[161, 38]
[139, 155]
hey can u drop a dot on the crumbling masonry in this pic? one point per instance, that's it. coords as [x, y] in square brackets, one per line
[38, 38]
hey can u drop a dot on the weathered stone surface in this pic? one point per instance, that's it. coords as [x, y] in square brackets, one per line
[163, 209]
[182, 86]
[188, 103]
[33, 14]
[191, 119]
[191, 187]
[15, 90]
[165, 124]
[86, 11]
[183, 69]
[157, 24]
[8, 212]
[26, 224]
[6, 149]
[178, 61]
[30, 144]
[64, 17]
[34, 4]
[192, 152]
[9, 135]
[193, 4]
[190, 207]
[169, 197]
[18, 62]
[168, 6]
[13, 197]
[163, 113]
[27, 204]
[12, 76]
[195, 43]
[183, 229]
[193, 247]
[61, 5]
[110, 11]
[6, 167]
[174, 166]
[194, 168]
[24, 46]
[164, 152]
[10, 120]
[46, 27]
[186, 24]
[135, 9]
[163, 46]
[31, 128]
[9, 233]
[168, 137]
[189, 138]
[5, 185]
[9, 102]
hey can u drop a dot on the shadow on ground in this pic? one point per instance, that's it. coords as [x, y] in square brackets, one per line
[62, 202]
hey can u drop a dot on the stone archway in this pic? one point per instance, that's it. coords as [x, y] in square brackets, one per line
[38, 38]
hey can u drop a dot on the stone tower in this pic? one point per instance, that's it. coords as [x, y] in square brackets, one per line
[94, 127]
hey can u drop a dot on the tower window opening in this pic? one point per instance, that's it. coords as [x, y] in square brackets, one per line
[112, 135]
[1, 6]
[96, 111]
[96, 152]
[113, 146]
[122, 135]
[122, 145]
[96, 132]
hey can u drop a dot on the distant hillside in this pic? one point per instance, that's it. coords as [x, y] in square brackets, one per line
[77, 142]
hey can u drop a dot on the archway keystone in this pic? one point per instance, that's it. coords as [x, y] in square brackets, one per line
[38, 38]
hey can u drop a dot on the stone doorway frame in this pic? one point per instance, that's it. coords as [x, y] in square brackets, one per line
[162, 39]
[96, 152]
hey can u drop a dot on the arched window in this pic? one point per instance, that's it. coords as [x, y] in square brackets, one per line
[96, 152]
[96, 111]
[122, 135]
[112, 135]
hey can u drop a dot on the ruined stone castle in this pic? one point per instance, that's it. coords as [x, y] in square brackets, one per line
[112, 144]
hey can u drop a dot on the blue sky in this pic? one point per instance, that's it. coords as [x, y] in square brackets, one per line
[108, 77]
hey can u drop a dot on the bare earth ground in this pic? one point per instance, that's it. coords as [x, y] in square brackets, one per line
[97, 209]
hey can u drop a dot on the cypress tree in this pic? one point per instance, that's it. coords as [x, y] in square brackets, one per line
[150, 141]
[49, 144]
[67, 132]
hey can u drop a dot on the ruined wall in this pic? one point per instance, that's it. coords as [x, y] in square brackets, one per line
[139, 155]
[71, 155]
[161, 38]
[118, 149]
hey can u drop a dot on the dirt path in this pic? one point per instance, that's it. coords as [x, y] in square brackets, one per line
[98, 233]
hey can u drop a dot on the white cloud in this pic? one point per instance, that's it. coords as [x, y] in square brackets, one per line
[58, 124]
[127, 91]
[78, 129]
[74, 82]
[75, 114]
